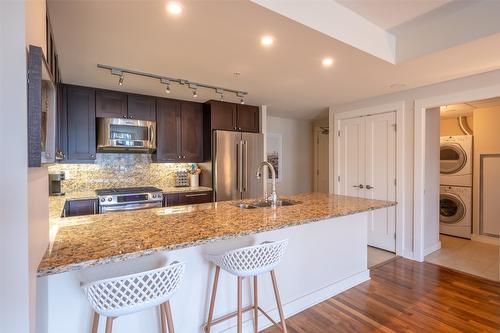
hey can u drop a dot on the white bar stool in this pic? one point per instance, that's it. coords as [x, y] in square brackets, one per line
[245, 262]
[132, 293]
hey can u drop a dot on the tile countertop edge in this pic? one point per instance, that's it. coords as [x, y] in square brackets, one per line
[133, 255]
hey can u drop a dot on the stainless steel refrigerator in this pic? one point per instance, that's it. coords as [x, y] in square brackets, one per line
[236, 157]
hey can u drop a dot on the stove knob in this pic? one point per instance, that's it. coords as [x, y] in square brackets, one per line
[102, 199]
[109, 199]
[154, 196]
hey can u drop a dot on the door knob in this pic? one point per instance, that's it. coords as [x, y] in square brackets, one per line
[359, 186]
[368, 187]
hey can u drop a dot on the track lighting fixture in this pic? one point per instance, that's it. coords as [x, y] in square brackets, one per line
[241, 95]
[220, 92]
[195, 89]
[168, 80]
[167, 83]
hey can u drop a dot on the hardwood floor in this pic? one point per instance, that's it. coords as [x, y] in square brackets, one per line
[407, 296]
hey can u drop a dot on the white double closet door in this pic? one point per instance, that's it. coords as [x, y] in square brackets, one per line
[367, 169]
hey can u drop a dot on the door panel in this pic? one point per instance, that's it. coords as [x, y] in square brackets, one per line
[253, 154]
[247, 118]
[380, 176]
[191, 132]
[226, 175]
[168, 147]
[110, 104]
[223, 115]
[80, 117]
[352, 157]
[141, 107]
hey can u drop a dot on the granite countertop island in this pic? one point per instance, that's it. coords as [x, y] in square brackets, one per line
[84, 241]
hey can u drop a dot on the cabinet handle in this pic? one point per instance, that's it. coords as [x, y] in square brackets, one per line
[124, 117]
[196, 195]
[92, 156]
[179, 156]
[129, 117]
[183, 156]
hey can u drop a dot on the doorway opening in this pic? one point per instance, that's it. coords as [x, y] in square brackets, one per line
[321, 142]
[462, 187]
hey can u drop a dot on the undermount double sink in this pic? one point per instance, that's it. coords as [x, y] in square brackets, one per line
[264, 204]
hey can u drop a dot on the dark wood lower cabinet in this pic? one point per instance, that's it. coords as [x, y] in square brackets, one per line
[81, 207]
[188, 198]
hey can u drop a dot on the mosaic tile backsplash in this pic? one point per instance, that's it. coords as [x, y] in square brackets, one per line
[118, 170]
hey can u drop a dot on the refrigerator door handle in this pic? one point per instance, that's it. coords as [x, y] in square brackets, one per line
[239, 162]
[245, 166]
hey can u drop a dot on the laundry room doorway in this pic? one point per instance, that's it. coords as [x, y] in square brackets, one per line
[462, 187]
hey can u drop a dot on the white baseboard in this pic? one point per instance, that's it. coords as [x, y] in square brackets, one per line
[486, 239]
[428, 250]
[306, 301]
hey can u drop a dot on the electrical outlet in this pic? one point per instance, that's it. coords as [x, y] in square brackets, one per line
[67, 174]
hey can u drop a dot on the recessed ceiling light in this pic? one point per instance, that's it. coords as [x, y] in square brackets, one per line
[174, 8]
[327, 61]
[267, 40]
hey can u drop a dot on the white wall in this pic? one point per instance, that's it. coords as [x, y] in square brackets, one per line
[14, 242]
[297, 153]
[409, 96]
[432, 133]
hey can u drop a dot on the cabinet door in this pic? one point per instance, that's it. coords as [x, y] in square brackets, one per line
[168, 130]
[80, 122]
[171, 199]
[193, 198]
[110, 104]
[223, 115]
[191, 132]
[141, 107]
[247, 118]
[81, 207]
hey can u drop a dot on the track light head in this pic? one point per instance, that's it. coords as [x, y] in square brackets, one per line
[120, 80]
[167, 83]
[241, 95]
[220, 92]
[195, 89]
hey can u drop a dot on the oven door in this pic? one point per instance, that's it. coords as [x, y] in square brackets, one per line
[126, 134]
[130, 206]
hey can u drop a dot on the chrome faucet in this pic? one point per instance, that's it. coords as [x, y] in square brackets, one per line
[273, 198]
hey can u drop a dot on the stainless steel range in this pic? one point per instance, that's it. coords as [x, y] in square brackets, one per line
[129, 198]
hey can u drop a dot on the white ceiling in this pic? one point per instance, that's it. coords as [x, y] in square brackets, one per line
[213, 39]
[388, 14]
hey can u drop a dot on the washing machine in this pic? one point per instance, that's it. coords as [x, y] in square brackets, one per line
[455, 211]
[456, 160]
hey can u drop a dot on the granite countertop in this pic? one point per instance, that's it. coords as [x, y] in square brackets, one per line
[84, 241]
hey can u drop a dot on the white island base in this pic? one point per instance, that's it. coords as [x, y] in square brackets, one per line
[323, 259]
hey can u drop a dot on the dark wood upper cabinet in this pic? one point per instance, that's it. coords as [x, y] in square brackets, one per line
[141, 107]
[110, 104]
[191, 131]
[223, 115]
[80, 115]
[232, 116]
[247, 118]
[168, 130]
[179, 130]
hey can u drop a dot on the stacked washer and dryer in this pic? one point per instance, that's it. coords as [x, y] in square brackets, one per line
[455, 206]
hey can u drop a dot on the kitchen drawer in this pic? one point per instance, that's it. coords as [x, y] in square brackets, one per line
[188, 198]
[192, 198]
[81, 207]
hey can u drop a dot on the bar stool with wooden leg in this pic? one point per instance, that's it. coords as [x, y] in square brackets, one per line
[128, 294]
[249, 261]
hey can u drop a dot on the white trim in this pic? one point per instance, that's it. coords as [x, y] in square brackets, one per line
[428, 250]
[332, 180]
[399, 108]
[421, 105]
[486, 239]
[304, 302]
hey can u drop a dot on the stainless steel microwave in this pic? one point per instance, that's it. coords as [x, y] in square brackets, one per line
[117, 134]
